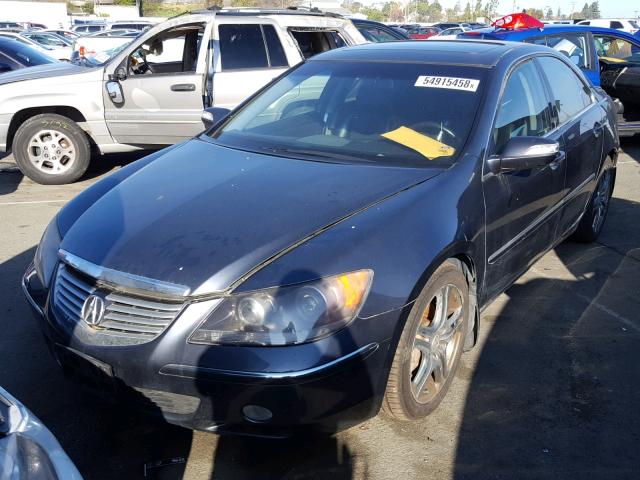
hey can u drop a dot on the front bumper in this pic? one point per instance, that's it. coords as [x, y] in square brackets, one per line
[327, 385]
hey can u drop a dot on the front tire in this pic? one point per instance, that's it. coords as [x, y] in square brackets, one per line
[593, 219]
[430, 346]
[51, 149]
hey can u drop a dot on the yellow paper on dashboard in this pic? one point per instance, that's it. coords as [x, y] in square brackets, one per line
[424, 145]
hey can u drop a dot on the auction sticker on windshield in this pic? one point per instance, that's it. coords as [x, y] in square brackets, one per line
[453, 83]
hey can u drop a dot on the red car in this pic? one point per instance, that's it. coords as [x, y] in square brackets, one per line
[422, 33]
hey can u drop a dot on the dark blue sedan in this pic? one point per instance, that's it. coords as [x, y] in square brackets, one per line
[15, 55]
[326, 249]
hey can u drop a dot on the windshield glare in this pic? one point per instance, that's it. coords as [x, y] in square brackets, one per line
[363, 111]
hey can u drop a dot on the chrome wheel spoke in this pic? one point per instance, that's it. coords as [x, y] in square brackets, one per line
[436, 341]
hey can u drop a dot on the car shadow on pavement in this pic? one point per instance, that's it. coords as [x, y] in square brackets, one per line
[554, 392]
[106, 441]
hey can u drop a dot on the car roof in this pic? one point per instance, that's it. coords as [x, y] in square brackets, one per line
[548, 29]
[481, 53]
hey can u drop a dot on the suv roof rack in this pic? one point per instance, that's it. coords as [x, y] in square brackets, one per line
[248, 11]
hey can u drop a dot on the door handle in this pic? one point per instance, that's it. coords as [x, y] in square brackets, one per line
[183, 87]
[597, 129]
[555, 163]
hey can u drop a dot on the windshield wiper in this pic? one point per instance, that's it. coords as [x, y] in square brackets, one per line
[316, 154]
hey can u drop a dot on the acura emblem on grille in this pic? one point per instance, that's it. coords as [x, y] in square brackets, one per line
[93, 310]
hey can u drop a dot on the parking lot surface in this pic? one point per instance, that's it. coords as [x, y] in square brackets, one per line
[550, 391]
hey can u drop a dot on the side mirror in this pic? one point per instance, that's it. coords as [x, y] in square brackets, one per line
[212, 115]
[524, 153]
[114, 89]
[5, 67]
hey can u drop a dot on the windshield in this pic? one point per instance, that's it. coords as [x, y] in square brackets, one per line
[103, 57]
[410, 114]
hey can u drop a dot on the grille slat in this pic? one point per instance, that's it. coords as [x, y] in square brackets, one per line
[77, 303]
[70, 287]
[127, 319]
[138, 302]
[135, 320]
[139, 312]
[129, 327]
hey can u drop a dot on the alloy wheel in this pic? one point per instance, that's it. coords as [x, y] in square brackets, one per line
[437, 340]
[601, 201]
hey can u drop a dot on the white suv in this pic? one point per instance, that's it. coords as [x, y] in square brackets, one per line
[152, 91]
[624, 24]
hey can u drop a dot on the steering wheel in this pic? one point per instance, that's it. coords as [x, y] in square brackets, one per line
[141, 67]
[436, 130]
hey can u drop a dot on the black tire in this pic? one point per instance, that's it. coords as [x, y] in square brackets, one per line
[74, 138]
[400, 401]
[595, 215]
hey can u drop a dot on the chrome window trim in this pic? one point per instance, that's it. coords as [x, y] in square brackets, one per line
[123, 280]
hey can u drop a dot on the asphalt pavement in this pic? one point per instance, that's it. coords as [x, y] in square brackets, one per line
[551, 390]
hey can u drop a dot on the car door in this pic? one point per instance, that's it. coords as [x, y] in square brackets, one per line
[247, 57]
[521, 206]
[163, 89]
[581, 121]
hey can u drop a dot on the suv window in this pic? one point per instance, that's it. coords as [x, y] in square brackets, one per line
[618, 48]
[245, 47]
[569, 92]
[524, 109]
[615, 24]
[171, 51]
[573, 45]
[312, 42]
[375, 34]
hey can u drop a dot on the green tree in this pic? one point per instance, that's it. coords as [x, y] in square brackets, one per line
[549, 14]
[586, 11]
[559, 14]
[435, 12]
[594, 10]
[372, 14]
[468, 14]
[535, 12]
[490, 10]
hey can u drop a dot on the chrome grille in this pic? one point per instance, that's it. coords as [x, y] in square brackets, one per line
[124, 315]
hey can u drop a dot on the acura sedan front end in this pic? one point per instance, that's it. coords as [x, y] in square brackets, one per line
[325, 250]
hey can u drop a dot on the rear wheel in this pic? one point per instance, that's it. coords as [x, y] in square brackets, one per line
[51, 149]
[430, 346]
[593, 219]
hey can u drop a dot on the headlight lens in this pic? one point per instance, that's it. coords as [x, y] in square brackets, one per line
[287, 315]
[47, 253]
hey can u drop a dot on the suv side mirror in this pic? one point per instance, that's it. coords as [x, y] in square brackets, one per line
[114, 90]
[213, 115]
[524, 153]
[5, 67]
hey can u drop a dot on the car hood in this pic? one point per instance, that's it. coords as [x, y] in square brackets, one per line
[203, 216]
[56, 69]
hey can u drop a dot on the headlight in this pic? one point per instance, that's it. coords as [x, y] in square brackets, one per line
[286, 315]
[47, 253]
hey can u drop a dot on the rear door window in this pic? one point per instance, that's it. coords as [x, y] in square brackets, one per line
[250, 46]
[573, 46]
[617, 25]
[569, 92]
[313, 41]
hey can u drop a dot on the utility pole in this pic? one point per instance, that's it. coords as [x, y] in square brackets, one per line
[139, 7]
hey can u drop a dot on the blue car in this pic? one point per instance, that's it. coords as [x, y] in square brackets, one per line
[608, 58]
[325, 250]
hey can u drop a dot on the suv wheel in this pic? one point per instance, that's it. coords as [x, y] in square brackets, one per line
[51, 149]
[430, 346]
